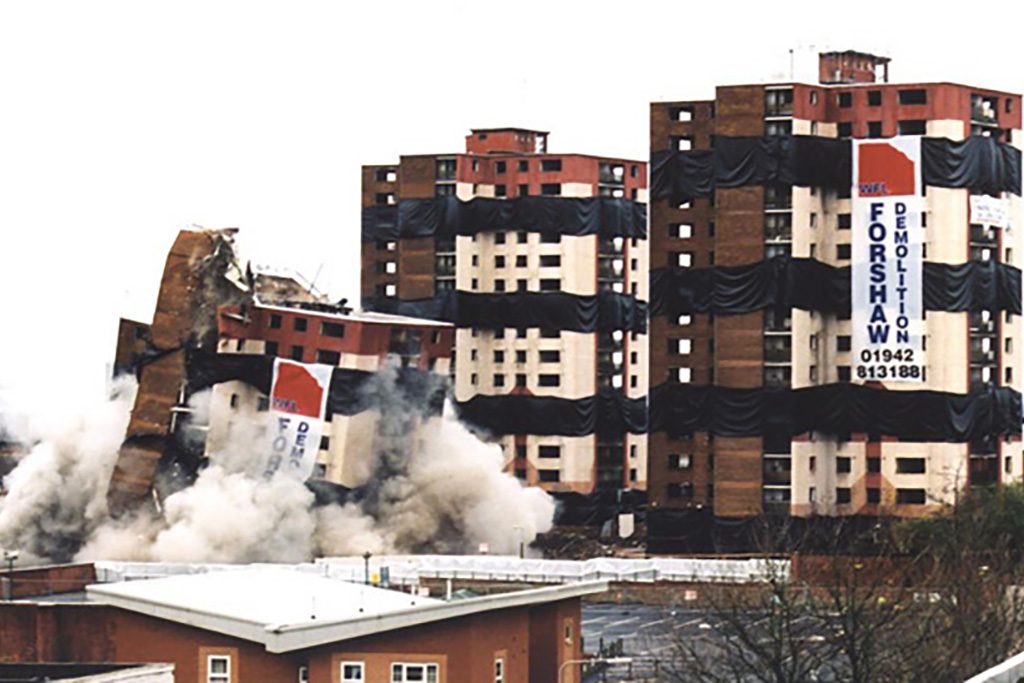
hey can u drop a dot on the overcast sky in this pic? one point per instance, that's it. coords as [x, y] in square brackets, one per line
[121, 123]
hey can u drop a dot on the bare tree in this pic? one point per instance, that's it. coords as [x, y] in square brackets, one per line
[936, 599]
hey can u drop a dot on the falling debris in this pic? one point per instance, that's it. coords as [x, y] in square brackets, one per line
[137, 478]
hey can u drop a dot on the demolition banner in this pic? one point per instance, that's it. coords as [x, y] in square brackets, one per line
[886, 283]
[298, 396]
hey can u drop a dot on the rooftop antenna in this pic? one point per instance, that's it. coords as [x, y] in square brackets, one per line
[792, 68]
[312, 285]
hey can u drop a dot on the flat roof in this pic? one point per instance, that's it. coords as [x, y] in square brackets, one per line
[509, 129]
[289, 610]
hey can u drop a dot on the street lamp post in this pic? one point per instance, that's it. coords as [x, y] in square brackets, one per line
[593, 660]
[366, 567]
[519, 535]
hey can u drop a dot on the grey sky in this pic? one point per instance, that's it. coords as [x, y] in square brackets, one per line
[122, 122]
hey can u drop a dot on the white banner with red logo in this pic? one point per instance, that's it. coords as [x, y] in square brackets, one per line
[886, 278]
[298, 397]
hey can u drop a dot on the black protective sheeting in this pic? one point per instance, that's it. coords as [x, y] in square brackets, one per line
[978, 163]
[836, 409]
[351, 391]
[594, 509]
[380, 223]
[606, 312]
[446, 217]
[783, 283]
[610, 413]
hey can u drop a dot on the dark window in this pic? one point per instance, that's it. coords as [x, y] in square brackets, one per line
[297, 353]
[911, 127]
[845, 99]
[550, 261]
[874, 495]
[844, 373]
[910, 465]
[549, 451]
[844, 221]
[386, 175]
[300, 324]
[499, 380]
[262, 404]
[524, 190]
[328, 357]
[548, 475]
[549, 357]
[234, 400]
[521, 261]
[520, 451]
[842, 496]
[679, 462]
[550, 285]
[445, 169]
[520, 473]
[325, 443]
[499, 356]
[910, 496]
[384, 198]
[521, 285]
[874, 465]
[499, 167]
[634, 170]
[551, 189]
[270, 349]
[500, 191]
[499, 261]
[843, 342]
[444, 190]
[499, 238]
[520, 380]
[845, 130]
[874, 129]
[913, 97]
[520, 333]
[332, 330]
[682, 490]
[523, 166]
[843, 252]
[843, 465]
[550, 238]
[275, 321]
[549, 380]
[874, 98]
[551, 165]
[520, 356]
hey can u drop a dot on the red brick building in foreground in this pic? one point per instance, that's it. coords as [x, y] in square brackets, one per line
[257, 624]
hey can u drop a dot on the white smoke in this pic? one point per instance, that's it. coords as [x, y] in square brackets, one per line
[452, 496]
[56, 494]
[448, 494]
